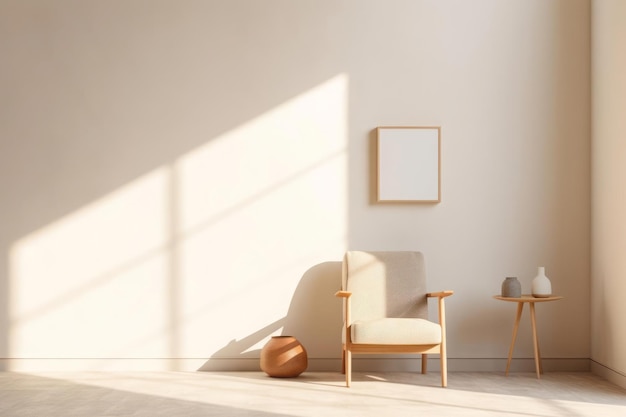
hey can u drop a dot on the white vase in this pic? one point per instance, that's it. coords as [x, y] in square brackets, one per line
[541, 286]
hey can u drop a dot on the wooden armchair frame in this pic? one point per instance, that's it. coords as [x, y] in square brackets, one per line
[348, 348]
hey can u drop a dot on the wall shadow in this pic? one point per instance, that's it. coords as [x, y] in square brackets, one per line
[4, 307]
[242, 348]
[314, 317]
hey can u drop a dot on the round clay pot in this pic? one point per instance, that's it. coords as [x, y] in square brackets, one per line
[283, 357]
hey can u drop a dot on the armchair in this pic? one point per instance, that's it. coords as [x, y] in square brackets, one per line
[386, 308]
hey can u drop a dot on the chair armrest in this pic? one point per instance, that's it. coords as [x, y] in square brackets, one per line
[440, 294]
[442, 308]
[346, 312]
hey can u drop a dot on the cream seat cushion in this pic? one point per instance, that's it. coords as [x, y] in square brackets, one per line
[396, 331]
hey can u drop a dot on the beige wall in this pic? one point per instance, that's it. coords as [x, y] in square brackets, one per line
[608, 347]
[179, 180]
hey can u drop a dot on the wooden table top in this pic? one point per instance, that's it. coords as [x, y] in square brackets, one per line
[528, 298]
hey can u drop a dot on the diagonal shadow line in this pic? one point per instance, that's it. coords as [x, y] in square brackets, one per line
[240, 205]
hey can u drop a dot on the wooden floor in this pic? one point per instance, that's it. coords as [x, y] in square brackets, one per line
[312, 394]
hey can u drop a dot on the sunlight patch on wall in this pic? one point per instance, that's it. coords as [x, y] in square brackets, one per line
[199, 258]
[259, 206]
[95, 279]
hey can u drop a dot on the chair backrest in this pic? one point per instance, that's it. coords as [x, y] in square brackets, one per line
[385, 284]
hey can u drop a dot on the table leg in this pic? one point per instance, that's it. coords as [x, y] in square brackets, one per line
[520, 306]
[533, 321]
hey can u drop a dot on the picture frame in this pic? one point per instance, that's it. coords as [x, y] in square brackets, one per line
[409, 164]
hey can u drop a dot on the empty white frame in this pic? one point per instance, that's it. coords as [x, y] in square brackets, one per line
[409, 164]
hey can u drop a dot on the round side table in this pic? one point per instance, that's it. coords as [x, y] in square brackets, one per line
[526, 298]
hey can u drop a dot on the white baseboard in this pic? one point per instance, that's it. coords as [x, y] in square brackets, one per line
[609, 374]
[100, 364]
[360, 364]
[455, 365]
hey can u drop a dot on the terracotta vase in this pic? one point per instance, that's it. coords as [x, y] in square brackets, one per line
[283, 357]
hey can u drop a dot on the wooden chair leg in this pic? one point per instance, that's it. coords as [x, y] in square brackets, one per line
[444, 370]
[424, 363]
[348, 368]
[343, 359]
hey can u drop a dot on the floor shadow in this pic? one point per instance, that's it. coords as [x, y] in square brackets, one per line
[560, 386]
[582, 387]
[468, 393]
[30, 395]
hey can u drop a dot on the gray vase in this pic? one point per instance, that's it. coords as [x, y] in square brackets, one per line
[511, 287]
